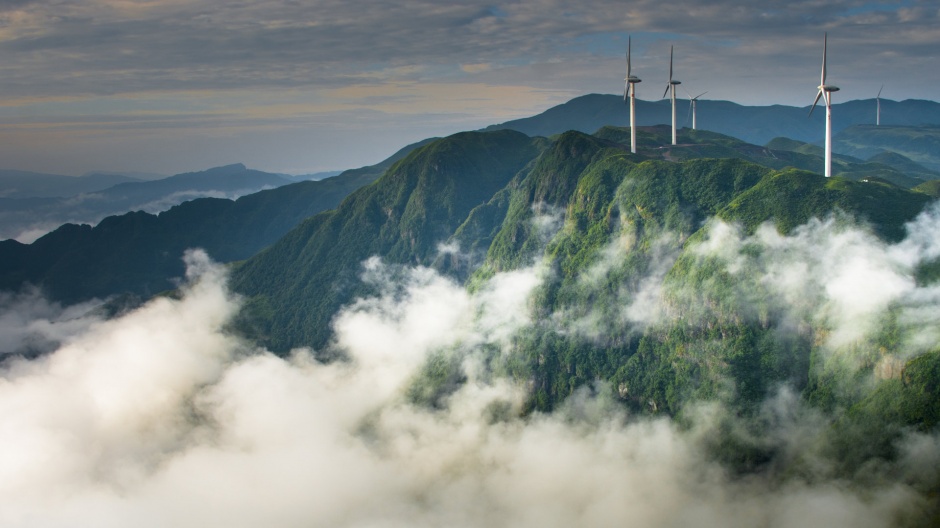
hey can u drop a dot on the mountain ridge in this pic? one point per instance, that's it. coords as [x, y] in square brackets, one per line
[139, 253]
[752, 124]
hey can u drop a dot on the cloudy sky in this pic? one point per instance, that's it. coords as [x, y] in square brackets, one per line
[168, 86]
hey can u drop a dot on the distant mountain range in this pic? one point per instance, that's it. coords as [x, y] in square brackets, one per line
[34, 204]
[753, 124]
[24, 184]
[139, 252]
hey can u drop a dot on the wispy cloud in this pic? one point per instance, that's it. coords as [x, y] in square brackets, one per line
[471, 64]
[108, 47]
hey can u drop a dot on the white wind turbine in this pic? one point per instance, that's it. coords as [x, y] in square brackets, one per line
[629, 92]
[878, 100]
[692, 101]
[826, 90]
[672, 84]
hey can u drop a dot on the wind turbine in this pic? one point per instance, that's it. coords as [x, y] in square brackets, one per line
[878, 100]
[672, 84]
[692, 101]
[826, 90]
[629, 91]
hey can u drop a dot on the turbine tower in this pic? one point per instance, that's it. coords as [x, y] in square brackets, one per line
[692, 101]
[826, 90]
[629, 92]
[878, 100]
[672, 84]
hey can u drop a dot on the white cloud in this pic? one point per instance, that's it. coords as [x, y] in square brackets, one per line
[162, 418]
[29, 323]
[833, 274]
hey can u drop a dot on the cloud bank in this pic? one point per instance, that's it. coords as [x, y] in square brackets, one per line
[162, 417]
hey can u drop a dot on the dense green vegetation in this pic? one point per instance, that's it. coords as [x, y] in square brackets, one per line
[808, 196]
[605, 221]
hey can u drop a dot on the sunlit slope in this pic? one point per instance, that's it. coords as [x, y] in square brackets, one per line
[630, 225]
[296, 285]
[791, 197]
[931, 188]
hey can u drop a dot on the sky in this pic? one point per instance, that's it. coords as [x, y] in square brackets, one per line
[169, 86]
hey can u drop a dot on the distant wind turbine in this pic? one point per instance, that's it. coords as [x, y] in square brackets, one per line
[826, 90]
[672, 84]
[629, 92]
[878, 100]
[692, 101]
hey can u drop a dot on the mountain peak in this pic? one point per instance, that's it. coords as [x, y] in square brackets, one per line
[234, 167]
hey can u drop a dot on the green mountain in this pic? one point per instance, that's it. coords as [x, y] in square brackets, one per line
[720, 326]
[417, 204]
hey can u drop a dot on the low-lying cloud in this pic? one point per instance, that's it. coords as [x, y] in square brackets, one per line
[31, 324]
[162, 417]
[835, 275]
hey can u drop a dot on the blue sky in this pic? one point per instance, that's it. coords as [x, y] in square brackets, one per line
[170, 86]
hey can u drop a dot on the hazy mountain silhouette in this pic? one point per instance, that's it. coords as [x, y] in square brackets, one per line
[753, 124]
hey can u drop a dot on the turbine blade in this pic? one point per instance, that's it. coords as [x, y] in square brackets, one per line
[667, 90]
[626, 91]
[629, 45]
[818, 95]
[825, 45]
[670, 64]
[689, 114]
[701, 94]
[879, 92]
